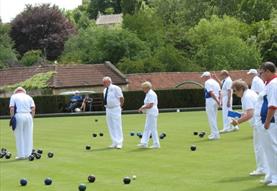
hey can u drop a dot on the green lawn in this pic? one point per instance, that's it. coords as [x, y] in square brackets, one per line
[220, 165]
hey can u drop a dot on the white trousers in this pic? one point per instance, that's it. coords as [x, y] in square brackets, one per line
[258, 136]
[150, 128]
[211, 109]
[226, 119]
[270, 143]
[24, 134]
[113, 119]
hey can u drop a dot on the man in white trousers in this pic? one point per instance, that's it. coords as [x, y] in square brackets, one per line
[22, 107]
[269, 120]
[113, 102]
[250, 104]
[257, 84]
[226, 95]
[212, 90]
[150, 107]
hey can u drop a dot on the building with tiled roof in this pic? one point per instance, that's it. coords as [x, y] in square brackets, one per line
[67, 77]
[88, 77]
[109, 20]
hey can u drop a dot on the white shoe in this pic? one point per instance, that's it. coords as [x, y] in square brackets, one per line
[112, 146]
[155, 146]
[265, 181]
[236, 128]
[20, 158]
[213, 137]
[118, 146]
[256, 173]
[141, 145]
[224, 131]
[272, 184]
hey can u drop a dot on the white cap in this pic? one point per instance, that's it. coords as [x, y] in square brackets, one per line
[206, 74]
[21, 89]
[252, 71]
[77, 92]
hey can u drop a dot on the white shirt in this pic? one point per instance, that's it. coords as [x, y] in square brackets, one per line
[271, 92]
[151, 97]
[258, 107]
[113, 97]
[212, 85]
[248, 101]
[23, 102]
[257, 84]
[227, 84]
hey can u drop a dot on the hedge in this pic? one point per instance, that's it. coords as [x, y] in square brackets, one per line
[177, 98]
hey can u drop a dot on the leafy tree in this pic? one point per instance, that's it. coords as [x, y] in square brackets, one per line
[42, 28]
[255, 10]
[80, 16]
[95, 45]
[231, 52]
[133, 6]
[265, 34]
[103, 6]
[207, 29]
[147, 26]
[145, 65]
[7, 54]
[165, 59]
[221, 44]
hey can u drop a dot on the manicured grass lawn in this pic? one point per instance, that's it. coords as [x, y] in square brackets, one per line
[221, 165]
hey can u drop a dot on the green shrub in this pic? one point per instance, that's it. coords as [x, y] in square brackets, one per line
[31, 57]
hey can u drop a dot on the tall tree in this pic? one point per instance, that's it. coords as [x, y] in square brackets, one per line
[7, 54]
[94, 45]
[104, 6]
[42, 28]
[251, 11]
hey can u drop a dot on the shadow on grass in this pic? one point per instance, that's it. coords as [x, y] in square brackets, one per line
[260, 188]
[203, 140]
[101, 149]
[236, 179]
[245, 138]
[140, 150]
[11, 161]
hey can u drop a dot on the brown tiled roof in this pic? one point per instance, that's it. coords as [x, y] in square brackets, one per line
[109, 19]
[169, 80]
[65, 75]
[19, 74]
[85, 75]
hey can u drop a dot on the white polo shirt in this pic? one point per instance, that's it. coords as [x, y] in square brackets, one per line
[113, 97]
[248, 101]
[151, 97]
[227, 85]
[23, 102]
[211, 85]
[257, 84]
[271, 92]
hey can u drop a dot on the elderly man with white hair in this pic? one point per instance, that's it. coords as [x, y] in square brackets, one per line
[212, 90]
[257, 84]
[22, 107]
[150, 107]
[113, 102]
